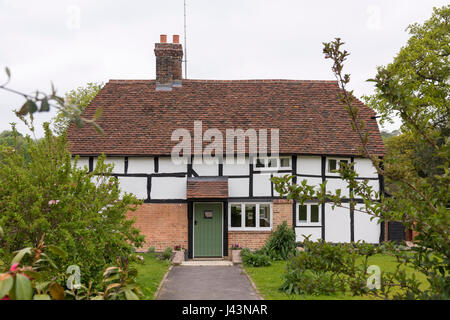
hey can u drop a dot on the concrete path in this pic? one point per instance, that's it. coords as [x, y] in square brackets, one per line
[207, 283]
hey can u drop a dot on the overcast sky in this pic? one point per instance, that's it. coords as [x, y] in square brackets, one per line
[75, 42]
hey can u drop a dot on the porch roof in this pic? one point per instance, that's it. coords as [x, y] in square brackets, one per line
[207, 188]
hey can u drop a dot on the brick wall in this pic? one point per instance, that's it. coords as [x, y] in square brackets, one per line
[282, 211]
[164, 225]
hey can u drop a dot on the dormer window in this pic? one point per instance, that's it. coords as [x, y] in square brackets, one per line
[272, 163]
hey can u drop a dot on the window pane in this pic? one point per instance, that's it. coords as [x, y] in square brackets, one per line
[314, 213]
[345, 162]
[285, 162]
[272, 163]
[331, 165]
[264, 215]
[302, 213]
[260, 163]
[250, 215]
[236, 215]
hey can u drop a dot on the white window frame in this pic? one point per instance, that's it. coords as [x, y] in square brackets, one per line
[338, 165]
[308, 214]
[243, 227]
[266, 163]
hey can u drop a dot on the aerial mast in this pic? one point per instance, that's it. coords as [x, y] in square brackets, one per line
[185, 43]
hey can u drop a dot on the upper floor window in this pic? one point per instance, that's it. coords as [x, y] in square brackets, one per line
[336, 164]
[272, 163]
[250, 216]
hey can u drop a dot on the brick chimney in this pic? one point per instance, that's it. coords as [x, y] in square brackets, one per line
[168, 63]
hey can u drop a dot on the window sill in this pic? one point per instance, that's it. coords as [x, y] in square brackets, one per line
[303, 224]
[230, 229]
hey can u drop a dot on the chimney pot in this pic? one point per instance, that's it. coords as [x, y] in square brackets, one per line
[176, 38]
[163, 38]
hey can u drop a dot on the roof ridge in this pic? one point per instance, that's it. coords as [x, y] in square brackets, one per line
[227, 81]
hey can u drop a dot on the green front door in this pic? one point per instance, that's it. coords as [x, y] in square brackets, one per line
[207, 229]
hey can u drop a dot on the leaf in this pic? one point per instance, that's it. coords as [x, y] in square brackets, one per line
[98, 113]
[56, 291]
[112, 286]
[8, 72]
[6, 285]
[44, 106]
[33, 274]
[20, 255]
[2, 234]
[57, 251]
[23, 290]
[130, 295]
[41, 297]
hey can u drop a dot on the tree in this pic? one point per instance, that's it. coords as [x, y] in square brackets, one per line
[81, 212]
[415, 87]
[80, 97]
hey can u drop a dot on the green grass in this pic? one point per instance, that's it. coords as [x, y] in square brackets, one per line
[269, 279]
[150, 274]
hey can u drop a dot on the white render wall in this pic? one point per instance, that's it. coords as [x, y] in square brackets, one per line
[238, 187]
[134, 185]
[365, 229]
[311, 165]
[166, 165]
[337, 224]
[314, 233]
[82, 162]
[168, 188]
[141, 165]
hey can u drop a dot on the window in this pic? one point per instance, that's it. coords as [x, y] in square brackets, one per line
[309, 213]
[281, 163]
[250, 216]
[333, 164]
[236, 214]
[264, 216]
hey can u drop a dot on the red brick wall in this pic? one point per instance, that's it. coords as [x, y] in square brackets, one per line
[282, 211]
[164, 225]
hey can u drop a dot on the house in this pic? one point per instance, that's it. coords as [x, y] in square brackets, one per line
[207, 206]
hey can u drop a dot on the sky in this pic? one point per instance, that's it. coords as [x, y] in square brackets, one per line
[71, 43]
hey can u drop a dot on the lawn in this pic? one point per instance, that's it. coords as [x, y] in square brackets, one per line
[269, 279]
[150, 274]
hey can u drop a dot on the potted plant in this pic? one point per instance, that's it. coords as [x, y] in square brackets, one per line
[236, 253]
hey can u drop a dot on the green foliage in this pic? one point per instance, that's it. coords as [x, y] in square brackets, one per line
[80, 212]
[281, 243]
[75, 102]
[151, 250]
[167, 253]
[415, 87]
[325, 269]
[255, 259]
[40, 279]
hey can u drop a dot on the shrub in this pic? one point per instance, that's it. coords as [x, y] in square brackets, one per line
[281, 243]
[325, 268]
[167, 254]
[81, 212]
[151, 250]
[255, 259]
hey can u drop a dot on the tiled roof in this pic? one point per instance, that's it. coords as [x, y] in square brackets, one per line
[138, 120]
[211, 188]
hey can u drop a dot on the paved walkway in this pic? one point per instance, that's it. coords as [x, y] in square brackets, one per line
[207, 283]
